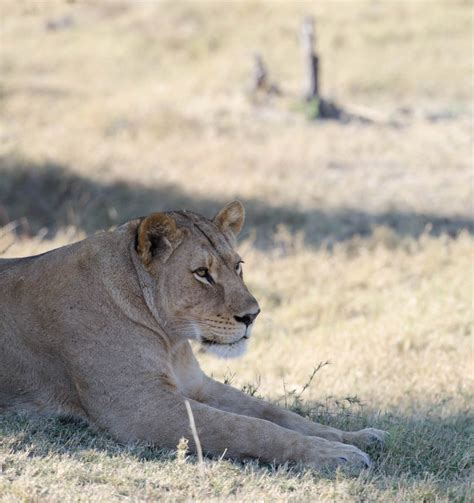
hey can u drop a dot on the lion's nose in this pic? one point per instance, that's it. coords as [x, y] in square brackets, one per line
[248, 318]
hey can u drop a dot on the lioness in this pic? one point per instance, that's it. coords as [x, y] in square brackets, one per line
[100, 329]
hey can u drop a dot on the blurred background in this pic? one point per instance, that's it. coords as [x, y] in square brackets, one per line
[359, 198]
[359, 226]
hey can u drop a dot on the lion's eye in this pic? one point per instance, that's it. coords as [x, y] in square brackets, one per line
[202, 274]
[238, 267]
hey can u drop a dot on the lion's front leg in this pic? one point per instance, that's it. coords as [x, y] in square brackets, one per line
[164, 421]
[227, 398]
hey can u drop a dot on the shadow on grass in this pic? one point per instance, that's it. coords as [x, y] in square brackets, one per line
[418, 447]
[49, 197]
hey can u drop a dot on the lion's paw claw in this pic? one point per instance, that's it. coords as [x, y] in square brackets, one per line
[366, 437]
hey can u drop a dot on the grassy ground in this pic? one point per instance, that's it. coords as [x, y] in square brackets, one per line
[359, 243]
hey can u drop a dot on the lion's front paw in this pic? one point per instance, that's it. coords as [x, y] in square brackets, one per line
[326, 454]
[365, 437]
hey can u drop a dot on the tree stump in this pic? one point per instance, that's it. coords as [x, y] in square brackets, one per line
[311, 60]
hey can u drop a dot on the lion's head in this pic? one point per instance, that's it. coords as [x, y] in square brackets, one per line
[197, 277]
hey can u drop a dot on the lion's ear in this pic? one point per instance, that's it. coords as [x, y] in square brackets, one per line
[231, 218]
[157, 236]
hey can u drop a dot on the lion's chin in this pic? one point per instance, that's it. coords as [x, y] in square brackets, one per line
[227, 351]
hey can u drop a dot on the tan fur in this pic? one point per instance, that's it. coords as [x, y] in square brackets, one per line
[100, 329]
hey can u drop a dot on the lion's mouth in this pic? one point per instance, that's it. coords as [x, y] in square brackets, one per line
[210, 342]
[223, 349]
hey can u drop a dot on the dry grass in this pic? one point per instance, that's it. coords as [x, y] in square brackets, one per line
[359, 242]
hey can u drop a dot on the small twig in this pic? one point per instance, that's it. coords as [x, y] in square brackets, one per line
[192, 425]
[260, 80]
[285, 394]
[260, 73]
[221, 457]
[311, 377]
